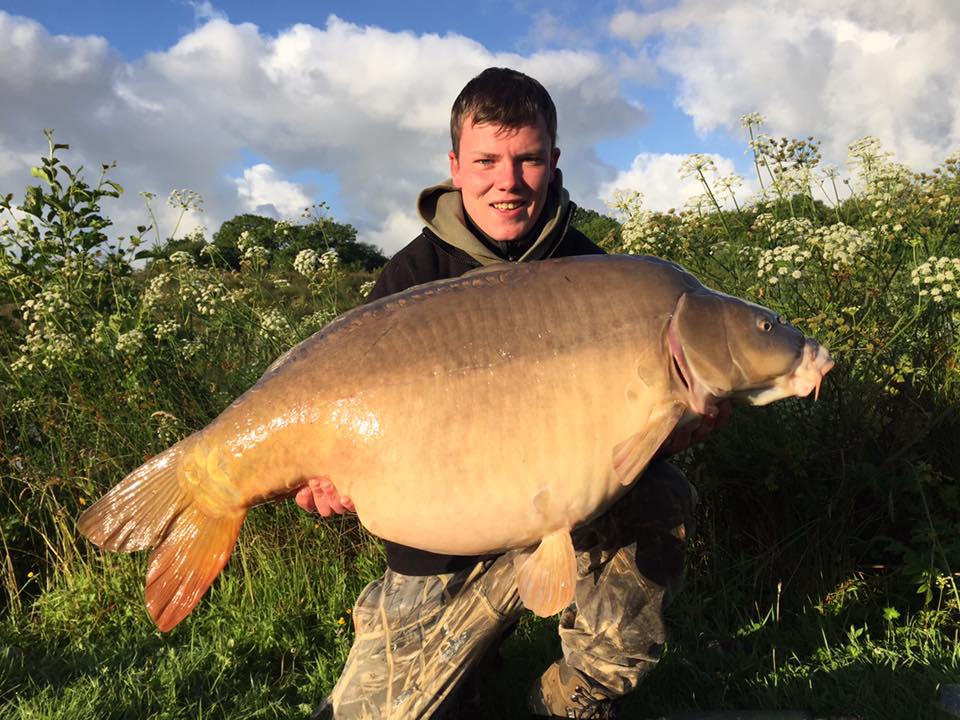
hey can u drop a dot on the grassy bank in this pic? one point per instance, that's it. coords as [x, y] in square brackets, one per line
[823, 573]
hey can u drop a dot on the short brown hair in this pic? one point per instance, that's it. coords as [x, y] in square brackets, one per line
[505, 97]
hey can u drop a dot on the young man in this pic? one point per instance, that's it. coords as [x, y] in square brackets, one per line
[431, 619]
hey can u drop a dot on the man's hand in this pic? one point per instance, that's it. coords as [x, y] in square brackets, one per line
[320, 496]
[692, 434]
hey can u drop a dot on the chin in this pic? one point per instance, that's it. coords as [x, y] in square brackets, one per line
[509, 233]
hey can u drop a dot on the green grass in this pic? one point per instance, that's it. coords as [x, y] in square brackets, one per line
[270, 638]
[267, 641]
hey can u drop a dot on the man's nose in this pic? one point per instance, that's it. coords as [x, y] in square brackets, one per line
[509, 174]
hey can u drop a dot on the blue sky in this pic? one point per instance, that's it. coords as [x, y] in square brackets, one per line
[346, 102]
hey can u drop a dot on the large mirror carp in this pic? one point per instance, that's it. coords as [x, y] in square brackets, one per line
[468, 416]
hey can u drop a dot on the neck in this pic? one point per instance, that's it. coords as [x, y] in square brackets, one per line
[510, 250]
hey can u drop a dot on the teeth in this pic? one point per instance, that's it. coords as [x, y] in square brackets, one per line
[507, 205]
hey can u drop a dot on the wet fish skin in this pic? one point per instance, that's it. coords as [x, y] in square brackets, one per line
[488, 412]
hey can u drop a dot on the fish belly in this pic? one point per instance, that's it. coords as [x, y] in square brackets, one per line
[490, 469]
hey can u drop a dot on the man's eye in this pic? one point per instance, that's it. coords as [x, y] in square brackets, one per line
[484, 161]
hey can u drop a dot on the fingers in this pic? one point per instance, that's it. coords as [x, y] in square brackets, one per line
[320, 496]
[304, 498]
[705, 427]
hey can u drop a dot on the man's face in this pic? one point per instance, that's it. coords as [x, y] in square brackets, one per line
[503, 175]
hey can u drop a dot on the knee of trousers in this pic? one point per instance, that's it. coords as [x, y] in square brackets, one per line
[656, 517]
[661, 497]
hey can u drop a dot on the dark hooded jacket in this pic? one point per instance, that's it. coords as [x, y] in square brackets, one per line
[449, 246]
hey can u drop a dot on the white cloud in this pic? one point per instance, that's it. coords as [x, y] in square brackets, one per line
[657, 176]
[837, 69]
[262, 192]
[399, 225]
[365, 105]
[203, 11]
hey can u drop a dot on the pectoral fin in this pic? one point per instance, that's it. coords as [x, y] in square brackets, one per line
[546, 578]
[632, 455]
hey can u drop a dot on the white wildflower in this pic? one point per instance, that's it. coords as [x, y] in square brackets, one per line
[306, 262]
[697, 164]
[752, 119]
[166, 329]
[154, 291]
[25, 404]
[842, 245]
[273, 325]
[255, 256]
[181, 258]
[131, 342]
[190, 348]
[185, 199]
[330, 260]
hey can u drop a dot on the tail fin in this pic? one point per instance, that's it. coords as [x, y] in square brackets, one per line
[150, 508]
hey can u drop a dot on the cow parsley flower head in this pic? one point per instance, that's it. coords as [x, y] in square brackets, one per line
[697, 164]
[306, 263]
[937, 278]
[782, 262]
[131, 342]
[842, 245]
[330, 260]
[181, 258]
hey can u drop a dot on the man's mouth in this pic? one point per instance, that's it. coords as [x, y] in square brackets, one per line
[512, 205]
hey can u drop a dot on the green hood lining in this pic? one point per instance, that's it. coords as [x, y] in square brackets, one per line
[441, 209]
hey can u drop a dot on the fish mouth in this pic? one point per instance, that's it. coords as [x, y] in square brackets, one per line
[814, 365]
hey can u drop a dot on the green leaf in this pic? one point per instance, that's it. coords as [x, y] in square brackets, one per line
[38, 172]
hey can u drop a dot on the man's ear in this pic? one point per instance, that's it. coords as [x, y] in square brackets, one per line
[454, 168]
[554, 158]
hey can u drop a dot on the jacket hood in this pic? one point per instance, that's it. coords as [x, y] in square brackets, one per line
[441, 209]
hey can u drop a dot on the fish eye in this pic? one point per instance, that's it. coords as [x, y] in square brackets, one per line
[764, 325]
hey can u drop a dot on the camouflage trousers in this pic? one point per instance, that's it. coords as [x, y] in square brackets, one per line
[418, 638]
